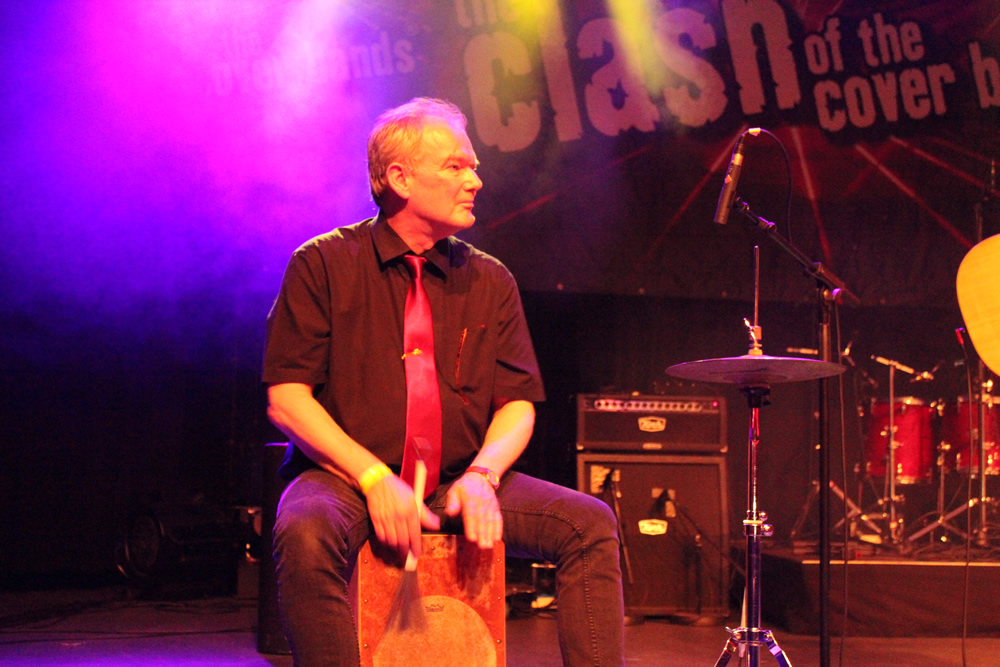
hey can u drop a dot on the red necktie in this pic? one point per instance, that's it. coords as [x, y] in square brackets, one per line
[423, 399]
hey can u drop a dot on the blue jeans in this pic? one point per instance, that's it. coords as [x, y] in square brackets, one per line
[322, 523]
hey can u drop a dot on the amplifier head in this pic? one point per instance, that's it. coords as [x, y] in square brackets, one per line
[637, 423]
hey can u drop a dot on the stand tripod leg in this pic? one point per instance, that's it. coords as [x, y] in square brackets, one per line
[728, 652]
[772, 646]
[738, 637]
[942, 522]
[806, 507]
[854, 510]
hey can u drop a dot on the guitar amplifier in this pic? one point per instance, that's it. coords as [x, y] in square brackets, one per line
[637, 423]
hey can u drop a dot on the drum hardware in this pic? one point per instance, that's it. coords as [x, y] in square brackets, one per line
[871, 532]
[979, 387]
[754, 373]
[975, 287]
[890, 500]
[944, 521]
[853, 511]
[969, 435]
[940, 519]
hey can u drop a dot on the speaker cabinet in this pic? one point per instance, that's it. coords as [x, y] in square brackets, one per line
[672, 516]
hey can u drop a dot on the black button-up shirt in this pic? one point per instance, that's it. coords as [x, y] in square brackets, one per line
[337, 324]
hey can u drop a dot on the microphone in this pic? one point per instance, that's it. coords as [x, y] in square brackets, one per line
[665, 503]
[728, 193]
[611, 481]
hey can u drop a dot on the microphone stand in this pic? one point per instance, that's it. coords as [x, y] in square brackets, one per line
[831, 291]
[612, 484]
[700, 538]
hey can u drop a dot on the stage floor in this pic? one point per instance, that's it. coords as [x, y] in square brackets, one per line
[105, 627]
[933, 592]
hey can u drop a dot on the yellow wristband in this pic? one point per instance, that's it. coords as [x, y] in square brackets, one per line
[373, 476]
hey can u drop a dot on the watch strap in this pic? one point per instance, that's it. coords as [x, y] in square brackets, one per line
[491, 476]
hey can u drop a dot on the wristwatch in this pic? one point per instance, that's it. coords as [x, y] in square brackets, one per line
[490, 476]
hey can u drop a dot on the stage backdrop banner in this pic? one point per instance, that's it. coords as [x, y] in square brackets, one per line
[162, 150]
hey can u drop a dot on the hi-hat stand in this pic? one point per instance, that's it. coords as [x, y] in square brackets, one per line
[754, 373]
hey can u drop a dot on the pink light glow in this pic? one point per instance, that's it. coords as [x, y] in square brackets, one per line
[250, 88]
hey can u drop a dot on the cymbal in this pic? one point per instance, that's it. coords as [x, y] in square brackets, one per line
[759, 369]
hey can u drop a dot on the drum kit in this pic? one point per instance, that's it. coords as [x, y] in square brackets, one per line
[916, 442]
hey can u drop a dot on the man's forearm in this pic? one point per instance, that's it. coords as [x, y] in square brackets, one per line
[292, 408]
[507, 436]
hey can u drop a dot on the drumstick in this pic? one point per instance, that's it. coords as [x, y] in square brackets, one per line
[419, 483]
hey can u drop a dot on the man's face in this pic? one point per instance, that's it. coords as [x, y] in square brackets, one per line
[444, 180]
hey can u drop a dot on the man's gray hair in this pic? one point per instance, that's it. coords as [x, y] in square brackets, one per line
[396, 136]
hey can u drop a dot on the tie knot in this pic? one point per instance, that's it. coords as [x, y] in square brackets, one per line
[415, 264]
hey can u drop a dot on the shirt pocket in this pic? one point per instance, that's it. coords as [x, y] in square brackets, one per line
[473, 366]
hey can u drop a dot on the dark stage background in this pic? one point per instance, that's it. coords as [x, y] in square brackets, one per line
[162, 160]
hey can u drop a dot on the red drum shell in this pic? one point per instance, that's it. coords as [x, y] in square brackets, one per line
[914, 455]
[955, 436]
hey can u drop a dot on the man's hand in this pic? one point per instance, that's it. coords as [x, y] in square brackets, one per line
[393, 512]
[473, 497]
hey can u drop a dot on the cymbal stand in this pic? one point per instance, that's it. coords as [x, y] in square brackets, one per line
[853, 513]
[982, 535]
[889, 497]
[978, 388]
[943, 521]
[982, 532]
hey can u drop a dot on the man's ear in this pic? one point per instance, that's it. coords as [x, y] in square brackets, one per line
[398, 179]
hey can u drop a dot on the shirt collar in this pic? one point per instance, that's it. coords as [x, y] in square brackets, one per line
[390, 247]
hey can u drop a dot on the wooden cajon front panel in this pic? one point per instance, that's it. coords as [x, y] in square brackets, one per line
[451, 611]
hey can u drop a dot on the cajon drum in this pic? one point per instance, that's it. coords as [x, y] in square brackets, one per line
[450, 612]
